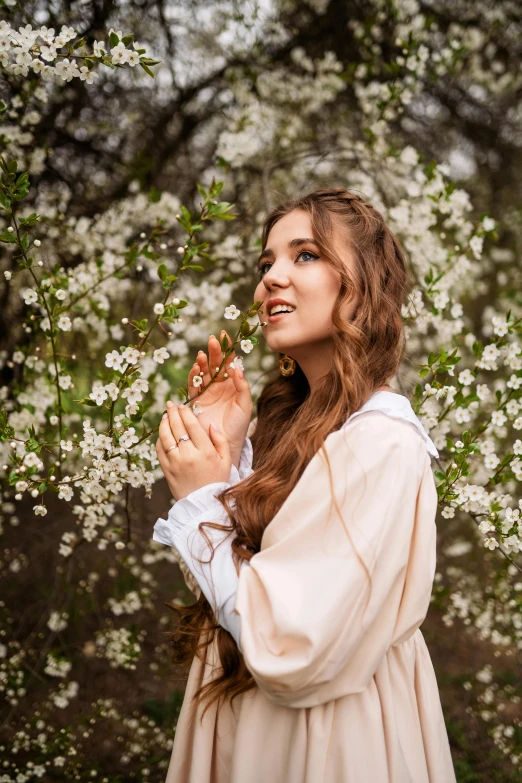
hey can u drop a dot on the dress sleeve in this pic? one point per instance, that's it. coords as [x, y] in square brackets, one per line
[312, 629]
[217, 579]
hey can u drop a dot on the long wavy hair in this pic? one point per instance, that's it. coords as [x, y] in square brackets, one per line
[293, 421]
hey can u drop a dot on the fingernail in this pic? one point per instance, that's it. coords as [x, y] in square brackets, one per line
[240, 372]
[200, 352]
[215, 426]
[164, 416]
[181, 405]
[169, 403]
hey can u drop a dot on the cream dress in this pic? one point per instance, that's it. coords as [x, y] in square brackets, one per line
[345, 687]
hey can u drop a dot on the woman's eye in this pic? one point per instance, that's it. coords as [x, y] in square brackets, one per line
[306, 253]
[313, 257]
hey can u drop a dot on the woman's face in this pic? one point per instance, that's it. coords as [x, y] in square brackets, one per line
[292, 269]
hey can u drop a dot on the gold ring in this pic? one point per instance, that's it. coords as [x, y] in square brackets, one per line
[170, 448]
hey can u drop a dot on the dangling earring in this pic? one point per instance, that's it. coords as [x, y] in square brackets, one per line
[286, 365]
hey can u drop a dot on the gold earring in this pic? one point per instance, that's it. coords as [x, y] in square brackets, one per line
[286, 365]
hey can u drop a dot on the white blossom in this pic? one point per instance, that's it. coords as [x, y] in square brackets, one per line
[231, 312]
[160, 354]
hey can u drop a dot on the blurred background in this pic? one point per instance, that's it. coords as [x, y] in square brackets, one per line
[417, 105]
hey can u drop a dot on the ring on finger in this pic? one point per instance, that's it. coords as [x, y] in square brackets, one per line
[171, 447]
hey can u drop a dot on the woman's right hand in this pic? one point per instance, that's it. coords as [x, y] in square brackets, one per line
[228, 401]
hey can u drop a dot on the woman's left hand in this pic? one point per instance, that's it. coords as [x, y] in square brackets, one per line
[194, 463]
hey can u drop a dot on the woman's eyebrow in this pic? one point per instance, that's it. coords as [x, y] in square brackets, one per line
[268, 253]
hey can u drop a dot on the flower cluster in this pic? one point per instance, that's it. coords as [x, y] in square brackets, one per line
[40, 51]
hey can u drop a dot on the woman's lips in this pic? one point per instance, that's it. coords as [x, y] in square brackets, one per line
[273, 319]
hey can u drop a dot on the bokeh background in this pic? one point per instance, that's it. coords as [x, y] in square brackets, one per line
[415, 105]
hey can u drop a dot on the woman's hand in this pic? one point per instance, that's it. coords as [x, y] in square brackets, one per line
[193, 463]
[228, 401]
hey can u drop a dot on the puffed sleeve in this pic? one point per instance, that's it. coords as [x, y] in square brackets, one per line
[312, 628]
[216, 578]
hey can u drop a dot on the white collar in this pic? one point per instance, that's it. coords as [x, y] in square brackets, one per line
[398, 406]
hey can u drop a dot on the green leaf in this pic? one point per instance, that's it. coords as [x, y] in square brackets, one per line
[202, 191]
[154, 195]
[9, 237]
[215, 188]
[162, 272]
[127, 39]
[113, 39]
[5, 201]
[31, 220]
[197, 267]
[32, 445]
[81, 42]
[146, 69]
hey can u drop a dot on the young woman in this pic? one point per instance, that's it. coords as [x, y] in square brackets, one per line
[311, 545]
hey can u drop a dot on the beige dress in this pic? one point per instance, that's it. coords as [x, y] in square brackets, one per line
[345, 687]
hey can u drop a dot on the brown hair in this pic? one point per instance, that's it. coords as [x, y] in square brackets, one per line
[366, 352]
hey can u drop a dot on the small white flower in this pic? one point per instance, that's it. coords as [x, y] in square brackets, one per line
[128, 438]
[231, 312]
[120, 55]
[65, 382]
[115, 360]
[8, 275]
[197, 380]
[87, 75]
[64, 323]
[491, 543]
[246, 345]
[66, 445]
[132, 395]
[159, 308]
[57, 621]
[60, 294]
[131, 355]
[140, 384]
[238, 362]
[31, 460]
[131, 409]
[29, 296]
[99, 395]
[40, 511]
[488, 223]
[160, 355]
[112, 390]
[37, 243]
[476, 244]
[65, 493]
